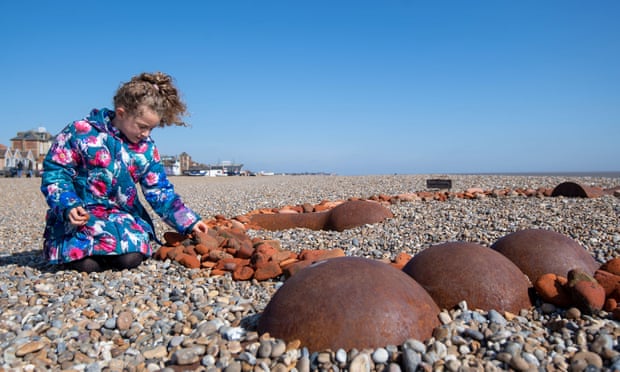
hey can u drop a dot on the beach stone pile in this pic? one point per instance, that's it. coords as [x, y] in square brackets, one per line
[230, 250]
[578, 288]
[165, 316]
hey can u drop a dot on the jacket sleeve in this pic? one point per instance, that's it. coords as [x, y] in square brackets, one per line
[159, 193]
[59, 171]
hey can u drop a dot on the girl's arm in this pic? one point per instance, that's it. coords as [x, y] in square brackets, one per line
[159, 193]
[59, 170]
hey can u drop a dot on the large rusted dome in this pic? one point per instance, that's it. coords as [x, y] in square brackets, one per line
[537, 252]
[350, 302]
[456, 271]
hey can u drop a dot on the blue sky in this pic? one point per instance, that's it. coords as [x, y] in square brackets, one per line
[349, 87]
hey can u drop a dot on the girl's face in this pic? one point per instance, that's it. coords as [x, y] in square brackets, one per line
[135, 127]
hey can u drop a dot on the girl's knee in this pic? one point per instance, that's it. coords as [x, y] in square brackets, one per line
[126, 261]
[87, 265]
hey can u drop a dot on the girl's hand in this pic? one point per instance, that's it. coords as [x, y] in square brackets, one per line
[78, 216]
[200, 227]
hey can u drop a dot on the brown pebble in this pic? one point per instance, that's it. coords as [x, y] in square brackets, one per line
[29, 347]
[243, 273]
[587, 294]
[610, 304]
[612, 266]
[188, 260]
[124, 320]
[607, 280]
[173, 238]
[268, 271]
[573, 313]
[552, 289]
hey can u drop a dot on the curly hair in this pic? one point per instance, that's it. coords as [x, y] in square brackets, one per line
[155, 91]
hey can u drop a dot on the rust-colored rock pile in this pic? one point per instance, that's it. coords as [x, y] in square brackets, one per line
[350, 302]
[562, 271]
[589, 293]
[231, 250]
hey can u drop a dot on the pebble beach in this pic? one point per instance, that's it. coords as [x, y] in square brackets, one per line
[163, 316]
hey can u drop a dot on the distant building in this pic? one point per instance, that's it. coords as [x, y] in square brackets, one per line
[186, 161]
[27, 151]
[172, 165]
[227, 168]
[191, 167]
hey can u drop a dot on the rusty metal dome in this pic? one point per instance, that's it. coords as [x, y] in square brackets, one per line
[456, 271]
[537, 252]
[350, 302]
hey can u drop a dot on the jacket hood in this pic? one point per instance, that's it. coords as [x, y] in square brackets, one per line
[102, 120]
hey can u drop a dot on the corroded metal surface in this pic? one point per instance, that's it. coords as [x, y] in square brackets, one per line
[283, 221]
[537, 252]
[347, 215]
[457, 271]
[350, 302]
[572, 189]
[355, 213]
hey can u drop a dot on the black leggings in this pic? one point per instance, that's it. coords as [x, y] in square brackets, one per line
[100, 263]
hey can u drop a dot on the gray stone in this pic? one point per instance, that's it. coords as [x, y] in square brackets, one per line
[185, 356]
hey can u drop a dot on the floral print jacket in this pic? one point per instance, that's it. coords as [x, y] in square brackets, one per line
[90, 164]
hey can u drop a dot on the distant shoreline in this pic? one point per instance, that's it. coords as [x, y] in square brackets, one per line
[605, 174]
[610, 174]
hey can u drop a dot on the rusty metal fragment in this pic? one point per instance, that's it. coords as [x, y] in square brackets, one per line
[349, 302]
[456, 271]
[537, 252]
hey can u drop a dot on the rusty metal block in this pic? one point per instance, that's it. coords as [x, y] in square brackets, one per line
[350, 302]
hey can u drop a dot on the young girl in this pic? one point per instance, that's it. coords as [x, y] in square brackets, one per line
[91, 175]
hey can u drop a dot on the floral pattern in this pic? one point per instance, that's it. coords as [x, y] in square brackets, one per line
[91, 164]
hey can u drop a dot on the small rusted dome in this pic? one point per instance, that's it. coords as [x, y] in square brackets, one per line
[347, 215]
[349, 302]
[355, 213]
[456, 271]
[283, 221]
[573, 189]
[537, 252]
